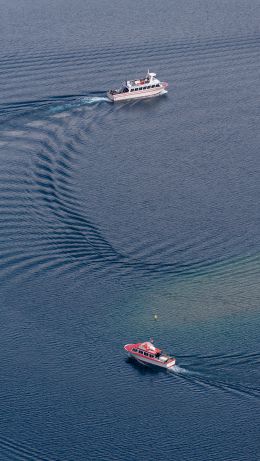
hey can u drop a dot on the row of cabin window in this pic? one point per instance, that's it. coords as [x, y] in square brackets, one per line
[145, 353]
[145, 87]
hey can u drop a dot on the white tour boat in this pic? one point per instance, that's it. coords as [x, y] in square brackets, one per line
[148, 354]
[142, 88]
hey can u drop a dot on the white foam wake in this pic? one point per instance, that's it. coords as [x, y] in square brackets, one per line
[86, 100]
[94, 99]
[178, 370]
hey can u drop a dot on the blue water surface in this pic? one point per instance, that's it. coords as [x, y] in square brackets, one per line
[112, 213]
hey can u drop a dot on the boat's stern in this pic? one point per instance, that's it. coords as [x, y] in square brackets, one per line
[170, 362]
[110, 95]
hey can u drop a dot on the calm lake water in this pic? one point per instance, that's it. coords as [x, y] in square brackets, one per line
[112, 213]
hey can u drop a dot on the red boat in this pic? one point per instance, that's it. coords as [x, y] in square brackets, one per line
[147, 354]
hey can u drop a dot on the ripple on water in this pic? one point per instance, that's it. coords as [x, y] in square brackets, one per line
[16, 450]
[200, 284]
[67, 237]
[57, 135]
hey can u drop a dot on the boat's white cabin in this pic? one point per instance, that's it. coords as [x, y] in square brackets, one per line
[150, 81]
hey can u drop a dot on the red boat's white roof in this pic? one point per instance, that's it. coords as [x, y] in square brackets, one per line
[147, 346]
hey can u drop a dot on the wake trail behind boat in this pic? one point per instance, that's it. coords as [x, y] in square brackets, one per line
[209, 381]
[94, 99]
[86, 100]
[51, 105]
[179, 370]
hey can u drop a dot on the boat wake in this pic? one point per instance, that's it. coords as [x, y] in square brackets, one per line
[86, 100]
[178, 370]
[51, 105]
[94, 99]
[216, 380]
